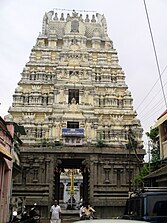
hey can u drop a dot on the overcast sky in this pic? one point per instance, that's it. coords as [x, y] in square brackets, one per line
[21, 22]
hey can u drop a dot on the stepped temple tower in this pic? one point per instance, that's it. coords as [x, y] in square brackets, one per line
[78, 116]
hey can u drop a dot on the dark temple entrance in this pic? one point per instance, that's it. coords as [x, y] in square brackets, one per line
[70, 164]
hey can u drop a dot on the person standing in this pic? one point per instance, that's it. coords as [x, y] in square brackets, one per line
[55, 213]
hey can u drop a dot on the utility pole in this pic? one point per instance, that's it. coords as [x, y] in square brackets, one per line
[132, 145]
[149, 155]
[129, 146]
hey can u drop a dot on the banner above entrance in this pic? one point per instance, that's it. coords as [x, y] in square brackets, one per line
[72, 132]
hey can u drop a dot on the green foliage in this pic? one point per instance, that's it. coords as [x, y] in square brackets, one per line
[138, 180]
[46, 142]
[154, 137]
[155, 152]
[153, 134]
[57, 143]
[100, 143]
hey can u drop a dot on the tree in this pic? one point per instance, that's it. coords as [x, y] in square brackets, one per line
[155, 152]
[138, 180]
[133, 145]
[154, 137]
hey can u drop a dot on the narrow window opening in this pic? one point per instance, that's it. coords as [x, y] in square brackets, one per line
[73, 96]
[73, 125]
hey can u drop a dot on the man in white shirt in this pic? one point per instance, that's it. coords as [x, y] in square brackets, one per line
[55, 213]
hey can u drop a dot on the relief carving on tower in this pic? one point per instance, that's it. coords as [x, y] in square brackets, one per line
[75, 25]
[74, 79]
[87, 98]
[35, 170]
[74, 47]
[74, 108]
[107, 172]
[61, 98]
[28, 116]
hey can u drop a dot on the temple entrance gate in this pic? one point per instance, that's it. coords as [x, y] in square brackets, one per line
[105, 176]
[80, 180]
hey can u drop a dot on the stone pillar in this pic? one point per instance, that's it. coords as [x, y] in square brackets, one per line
[47, 170]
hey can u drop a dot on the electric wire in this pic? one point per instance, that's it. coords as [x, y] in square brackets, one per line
[151, 89]
[153, 107]
[149, 118]
[152, 110]
[155, 53]
[153, 99]
[146, 106]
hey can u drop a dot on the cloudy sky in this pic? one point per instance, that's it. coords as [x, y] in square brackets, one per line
[21, 22]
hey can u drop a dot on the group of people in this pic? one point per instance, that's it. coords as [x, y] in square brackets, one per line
[85, 212]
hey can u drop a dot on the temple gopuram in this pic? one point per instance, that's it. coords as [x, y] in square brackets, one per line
[78, 115]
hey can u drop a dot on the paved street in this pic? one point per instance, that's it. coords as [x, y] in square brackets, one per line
[68, 216]
[64, 220]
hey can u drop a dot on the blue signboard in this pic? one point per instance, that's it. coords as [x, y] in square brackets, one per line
[72, 132]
